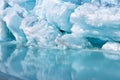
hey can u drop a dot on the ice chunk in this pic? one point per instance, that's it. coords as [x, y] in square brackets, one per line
[13, 17]
[73, 42]
[27, 4]
[2, 4]
[112, 46]
[62, 21]
[95, 21]
[5, 34]
[59, 9]
[44, 34]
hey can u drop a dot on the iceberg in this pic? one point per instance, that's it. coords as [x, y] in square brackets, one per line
[60, 39]
[61, 23]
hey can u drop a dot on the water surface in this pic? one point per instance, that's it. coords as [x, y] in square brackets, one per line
[54, 64]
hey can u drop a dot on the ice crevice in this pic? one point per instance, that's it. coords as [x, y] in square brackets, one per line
[61, 23]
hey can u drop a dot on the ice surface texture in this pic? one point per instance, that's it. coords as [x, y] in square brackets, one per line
[61, 23]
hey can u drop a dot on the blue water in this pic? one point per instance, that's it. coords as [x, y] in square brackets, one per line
[35, 63]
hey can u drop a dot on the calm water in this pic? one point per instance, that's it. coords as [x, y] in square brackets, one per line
[54, 64]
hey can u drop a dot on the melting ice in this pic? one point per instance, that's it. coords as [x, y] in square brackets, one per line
[61, 23]
[33, 34]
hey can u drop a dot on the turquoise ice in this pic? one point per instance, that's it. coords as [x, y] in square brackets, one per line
[60, 39]
[61, 23]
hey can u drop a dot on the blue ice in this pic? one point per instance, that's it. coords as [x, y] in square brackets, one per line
[60, 39]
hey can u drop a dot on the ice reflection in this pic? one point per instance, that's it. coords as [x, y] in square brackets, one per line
[54, 64]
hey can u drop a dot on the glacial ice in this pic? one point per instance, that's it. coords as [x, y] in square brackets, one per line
[33, 34]
[61, 23]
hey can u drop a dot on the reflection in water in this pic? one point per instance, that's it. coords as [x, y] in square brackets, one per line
[54, 64]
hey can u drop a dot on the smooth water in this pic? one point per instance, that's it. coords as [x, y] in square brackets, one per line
[54, 64]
